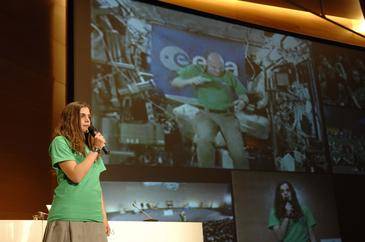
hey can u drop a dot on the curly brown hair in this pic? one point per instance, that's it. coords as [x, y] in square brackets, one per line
[69, 127]
[280, 203]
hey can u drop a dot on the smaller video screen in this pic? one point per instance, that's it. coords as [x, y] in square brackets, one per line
[284, 207]
[209, 203]
[341, 75]
[346, 140]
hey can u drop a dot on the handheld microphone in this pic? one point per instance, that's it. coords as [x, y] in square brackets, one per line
[92, 130]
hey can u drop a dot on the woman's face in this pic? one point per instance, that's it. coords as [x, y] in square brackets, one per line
[285, 192]
[85, 119]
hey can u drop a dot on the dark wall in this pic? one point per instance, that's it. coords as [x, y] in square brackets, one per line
[350, 199]
[26, 107]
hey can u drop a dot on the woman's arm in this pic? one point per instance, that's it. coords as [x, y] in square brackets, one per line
[105, 218]
[312, 236]
[280, 230]
[76, 172]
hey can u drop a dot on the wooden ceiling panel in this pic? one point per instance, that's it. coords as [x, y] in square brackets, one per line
[343, 8]
[277, 3]
[281, 18]
[313, 6]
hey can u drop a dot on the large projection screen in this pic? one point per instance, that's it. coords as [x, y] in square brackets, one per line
[147, 71]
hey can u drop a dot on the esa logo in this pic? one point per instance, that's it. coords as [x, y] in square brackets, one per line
[174, 58]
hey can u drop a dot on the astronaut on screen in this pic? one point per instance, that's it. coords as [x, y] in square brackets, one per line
[216, 89]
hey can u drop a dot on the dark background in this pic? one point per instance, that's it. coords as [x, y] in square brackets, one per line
[26, 107]
[26, 181]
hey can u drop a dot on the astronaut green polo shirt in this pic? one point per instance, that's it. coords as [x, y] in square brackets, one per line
[219, 93]
[75, 202]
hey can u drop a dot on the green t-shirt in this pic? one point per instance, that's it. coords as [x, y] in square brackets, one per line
[297, 230]
[219, 93]
[75, 202]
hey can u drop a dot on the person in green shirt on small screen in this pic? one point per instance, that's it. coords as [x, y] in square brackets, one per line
[290, 221]
[78, 212]
[219, 96]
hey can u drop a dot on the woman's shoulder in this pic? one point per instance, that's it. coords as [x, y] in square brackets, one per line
[59, 139]
[305, 208]
[60, 144]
